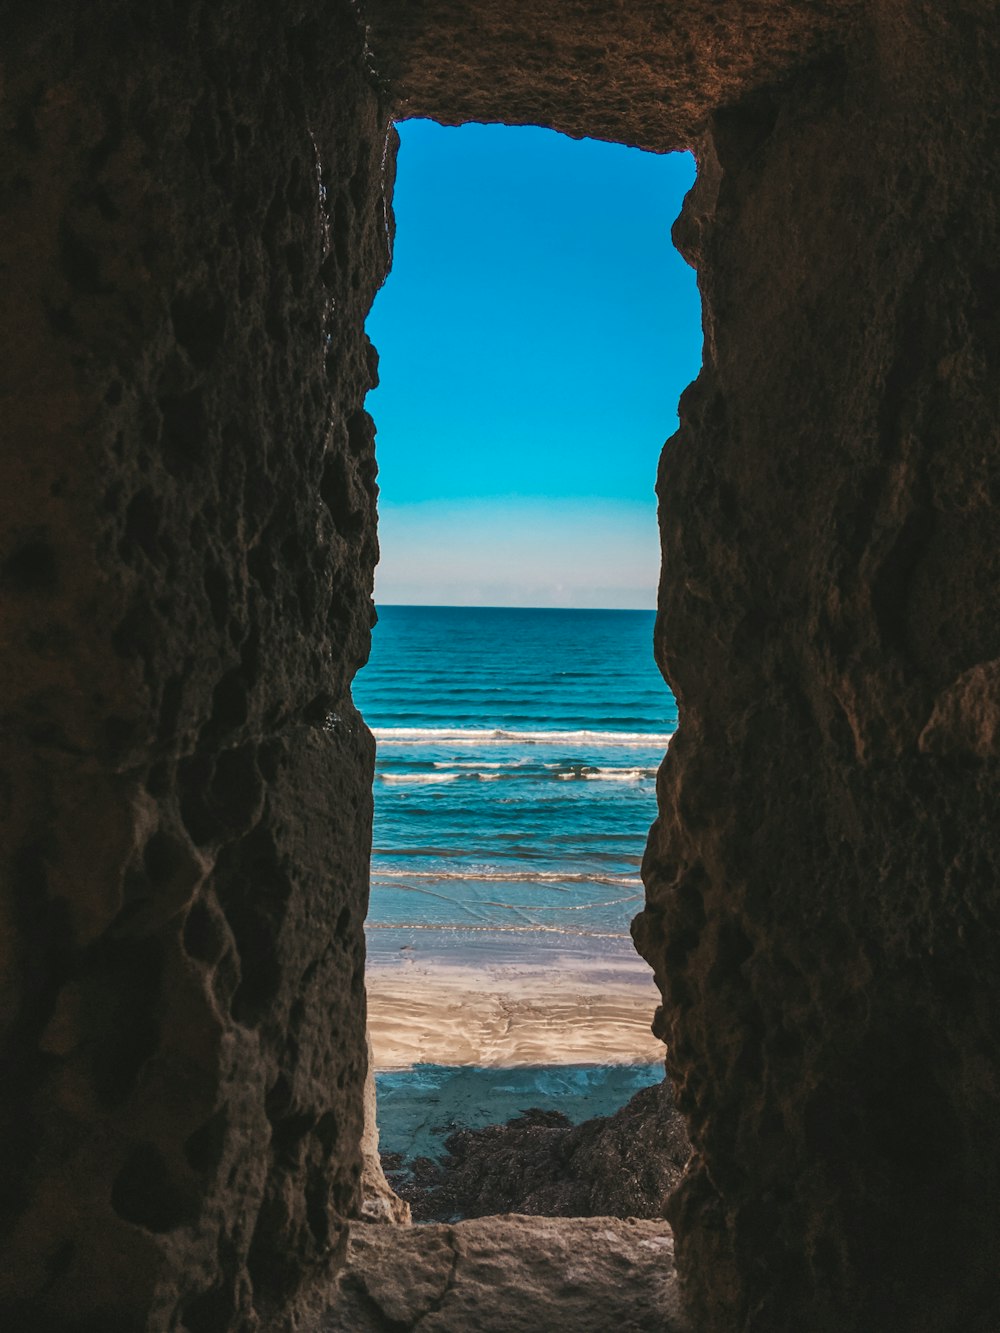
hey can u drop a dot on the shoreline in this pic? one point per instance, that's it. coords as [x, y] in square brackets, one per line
[542, 1010]
[418, 1108]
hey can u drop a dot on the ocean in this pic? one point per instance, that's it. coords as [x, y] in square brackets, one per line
[514, 787]
[515, 777]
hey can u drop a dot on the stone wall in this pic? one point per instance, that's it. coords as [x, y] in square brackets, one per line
[821, 901]
[195, 219]
[647, 73]
[822, 905]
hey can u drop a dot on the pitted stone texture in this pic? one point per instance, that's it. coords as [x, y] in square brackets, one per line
[821, 901]
[965, 720]
[646, 73]
[194, 199]
[195, 220]
[508, 1274]
[822, 908]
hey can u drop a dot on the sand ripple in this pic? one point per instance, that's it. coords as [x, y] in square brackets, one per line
[448, 1014]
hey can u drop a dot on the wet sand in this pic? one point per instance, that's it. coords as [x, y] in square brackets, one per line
[469, 1029]
[539, 1011]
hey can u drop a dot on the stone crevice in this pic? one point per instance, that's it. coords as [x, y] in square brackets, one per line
[438, 1303]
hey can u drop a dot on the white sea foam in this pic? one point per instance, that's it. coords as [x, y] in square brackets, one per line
[508, 876]
[498, 928]
[474, 772]
[504, 736]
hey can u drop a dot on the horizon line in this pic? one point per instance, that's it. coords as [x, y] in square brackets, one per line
[470, 606]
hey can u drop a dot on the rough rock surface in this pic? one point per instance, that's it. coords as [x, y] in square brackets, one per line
[648, 74]
[194, 218]
[622, 1165]
[822, 911]
[507, 1275]
[822, 907]
[379, 1201]
[193, 223]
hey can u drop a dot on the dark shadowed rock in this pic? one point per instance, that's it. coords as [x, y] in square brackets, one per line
[622, 1165]
[193, 218]
[194, 214]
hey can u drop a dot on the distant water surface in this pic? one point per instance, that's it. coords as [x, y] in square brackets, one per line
[419, 1108]
[515, 778]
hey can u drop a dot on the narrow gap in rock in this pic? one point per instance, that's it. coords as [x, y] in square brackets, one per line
[535, 334]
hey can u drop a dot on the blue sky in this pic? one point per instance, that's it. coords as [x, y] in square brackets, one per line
[534, 335]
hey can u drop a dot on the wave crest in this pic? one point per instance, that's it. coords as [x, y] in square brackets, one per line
[506, 736]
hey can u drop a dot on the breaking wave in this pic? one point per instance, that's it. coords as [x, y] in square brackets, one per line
[505, 736]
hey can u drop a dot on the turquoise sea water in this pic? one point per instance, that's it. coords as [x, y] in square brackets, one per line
[515, 784]
[515, 778]
[418, 1108]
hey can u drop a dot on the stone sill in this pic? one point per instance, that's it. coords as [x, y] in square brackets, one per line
[507, 1274]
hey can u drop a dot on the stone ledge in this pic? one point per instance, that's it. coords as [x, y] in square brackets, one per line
[508, 1274]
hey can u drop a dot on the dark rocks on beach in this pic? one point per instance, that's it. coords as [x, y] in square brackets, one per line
[622, 1165]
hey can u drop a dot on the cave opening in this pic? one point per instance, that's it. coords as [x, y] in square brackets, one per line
[188, 544]
[534, 336]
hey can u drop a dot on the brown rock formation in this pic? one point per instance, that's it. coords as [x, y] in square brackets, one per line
[821, 908]
[622, 1165]
[648, 74]
[821, 884]
[379, 1201]
[193, 229]
[194, 204]
[507, 1275]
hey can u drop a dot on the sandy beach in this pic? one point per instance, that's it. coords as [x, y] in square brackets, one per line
[515, 785]
[546, 1010]
[466, 1039]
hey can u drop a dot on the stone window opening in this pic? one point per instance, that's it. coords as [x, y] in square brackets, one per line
[187, 548]
[186, 551]
[380, 1201]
